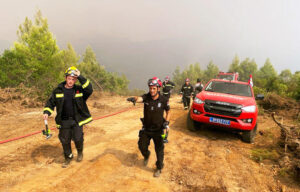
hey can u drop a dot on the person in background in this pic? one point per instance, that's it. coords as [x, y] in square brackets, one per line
[167, 87]
[198, 87]
[187, 92]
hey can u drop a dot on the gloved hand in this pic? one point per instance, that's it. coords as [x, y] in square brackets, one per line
[77, 73]
[131, 99]
[166, 124]
[165, 134]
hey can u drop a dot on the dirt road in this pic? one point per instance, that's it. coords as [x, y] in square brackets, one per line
[208, 160]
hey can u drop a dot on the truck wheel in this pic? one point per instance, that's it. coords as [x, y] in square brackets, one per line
[191, 124]
[248, 136]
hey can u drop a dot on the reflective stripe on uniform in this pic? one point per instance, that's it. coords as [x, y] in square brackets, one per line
[85, 121]
[48, 109]
[78, 95]
[59, 95]
[86, 84]
[169, 85]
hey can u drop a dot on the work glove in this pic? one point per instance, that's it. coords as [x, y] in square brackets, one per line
[166, 125]
[165, 137]
[131, 99]
[165, 132]
[77, 73]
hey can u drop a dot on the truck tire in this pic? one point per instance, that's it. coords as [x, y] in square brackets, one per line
[248, 136]
[191, 124]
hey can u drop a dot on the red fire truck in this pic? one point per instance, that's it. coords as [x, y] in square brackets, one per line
[226, 103]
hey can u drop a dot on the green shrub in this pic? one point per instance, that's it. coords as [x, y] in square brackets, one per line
[259, 90]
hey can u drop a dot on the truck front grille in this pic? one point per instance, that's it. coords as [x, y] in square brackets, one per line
[223, 108]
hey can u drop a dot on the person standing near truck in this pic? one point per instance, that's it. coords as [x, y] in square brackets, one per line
[187, 92]
[198, 87]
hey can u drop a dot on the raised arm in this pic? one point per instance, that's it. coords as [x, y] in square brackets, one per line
[86, 87]
[135, 99]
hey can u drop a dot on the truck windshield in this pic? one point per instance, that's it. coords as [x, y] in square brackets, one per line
[229, 88]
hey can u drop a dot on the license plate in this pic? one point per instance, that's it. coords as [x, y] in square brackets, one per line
[219, 121]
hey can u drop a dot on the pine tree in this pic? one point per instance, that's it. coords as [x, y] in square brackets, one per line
[211, 71]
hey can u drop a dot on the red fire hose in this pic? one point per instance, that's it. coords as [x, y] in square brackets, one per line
[37, 132]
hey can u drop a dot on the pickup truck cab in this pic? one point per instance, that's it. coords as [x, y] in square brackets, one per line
[229, 104]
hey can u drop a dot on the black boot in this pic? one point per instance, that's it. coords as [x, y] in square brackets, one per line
[79, 156]
[157, 173]
[67, 161]
[79, 146]
[146, 159]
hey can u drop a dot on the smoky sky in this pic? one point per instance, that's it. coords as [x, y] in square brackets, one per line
[143, 38]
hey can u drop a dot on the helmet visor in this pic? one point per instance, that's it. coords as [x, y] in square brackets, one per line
[153, 82]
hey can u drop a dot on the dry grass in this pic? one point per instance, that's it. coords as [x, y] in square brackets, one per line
[260, 154]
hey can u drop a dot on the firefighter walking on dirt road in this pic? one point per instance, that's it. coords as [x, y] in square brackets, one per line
[72, 112]
[154, 123]
[167, 87]
[187, 91]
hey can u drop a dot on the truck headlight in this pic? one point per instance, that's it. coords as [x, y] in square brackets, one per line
[249, 109]
[198, 101]
[247, 120]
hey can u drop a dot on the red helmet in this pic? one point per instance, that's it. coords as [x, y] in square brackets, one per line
[167, 78]
[187, 80]
[154, 81]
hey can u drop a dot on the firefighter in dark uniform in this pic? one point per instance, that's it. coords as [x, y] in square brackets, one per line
[154, 123]
[187, 92]
[72, 112]
[198, 87]
[167, 87]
